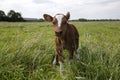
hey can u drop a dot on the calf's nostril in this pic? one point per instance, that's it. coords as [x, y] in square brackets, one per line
[58, 33]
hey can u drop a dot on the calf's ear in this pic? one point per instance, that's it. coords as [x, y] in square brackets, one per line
[48, 17]
[68, 15]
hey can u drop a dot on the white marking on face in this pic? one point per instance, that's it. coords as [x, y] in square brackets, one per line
[59, 19]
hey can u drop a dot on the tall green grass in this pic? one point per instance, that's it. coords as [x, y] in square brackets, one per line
[26, 51]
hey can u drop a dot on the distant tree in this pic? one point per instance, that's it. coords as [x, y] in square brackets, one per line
[82, 19]
[14, 16]
[41, 19]
[2, 16]
[11, 15]
[19, 16]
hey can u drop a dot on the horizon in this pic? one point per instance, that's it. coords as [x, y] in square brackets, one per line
[92, 9]
[77, 18]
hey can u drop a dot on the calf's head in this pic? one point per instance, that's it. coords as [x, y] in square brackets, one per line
[59, 22]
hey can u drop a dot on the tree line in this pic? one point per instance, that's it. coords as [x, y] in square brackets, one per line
[11, 16]
[85, 20]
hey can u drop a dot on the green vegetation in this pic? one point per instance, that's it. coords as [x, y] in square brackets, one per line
[26, 51]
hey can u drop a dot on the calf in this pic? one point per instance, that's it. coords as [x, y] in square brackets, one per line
[67, 37]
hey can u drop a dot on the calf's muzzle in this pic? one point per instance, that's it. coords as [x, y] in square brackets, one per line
[58, 33]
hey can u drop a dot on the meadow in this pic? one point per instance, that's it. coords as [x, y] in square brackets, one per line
[27, 48]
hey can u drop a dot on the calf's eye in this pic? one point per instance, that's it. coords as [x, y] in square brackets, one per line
[54, 21]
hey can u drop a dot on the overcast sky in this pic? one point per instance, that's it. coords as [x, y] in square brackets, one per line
[90, 9]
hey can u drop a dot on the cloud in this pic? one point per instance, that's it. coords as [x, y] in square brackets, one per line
[42, 1]
[77, 8]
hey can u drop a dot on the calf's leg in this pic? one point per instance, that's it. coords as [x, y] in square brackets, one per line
[71, 52]
[55, 59]
[77, 54]
[59, 50]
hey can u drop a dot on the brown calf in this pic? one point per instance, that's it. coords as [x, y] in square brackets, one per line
[67, 36]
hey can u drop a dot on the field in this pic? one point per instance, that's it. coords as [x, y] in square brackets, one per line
[26, 51]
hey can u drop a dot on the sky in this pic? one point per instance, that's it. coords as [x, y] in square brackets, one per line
[89, 9]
